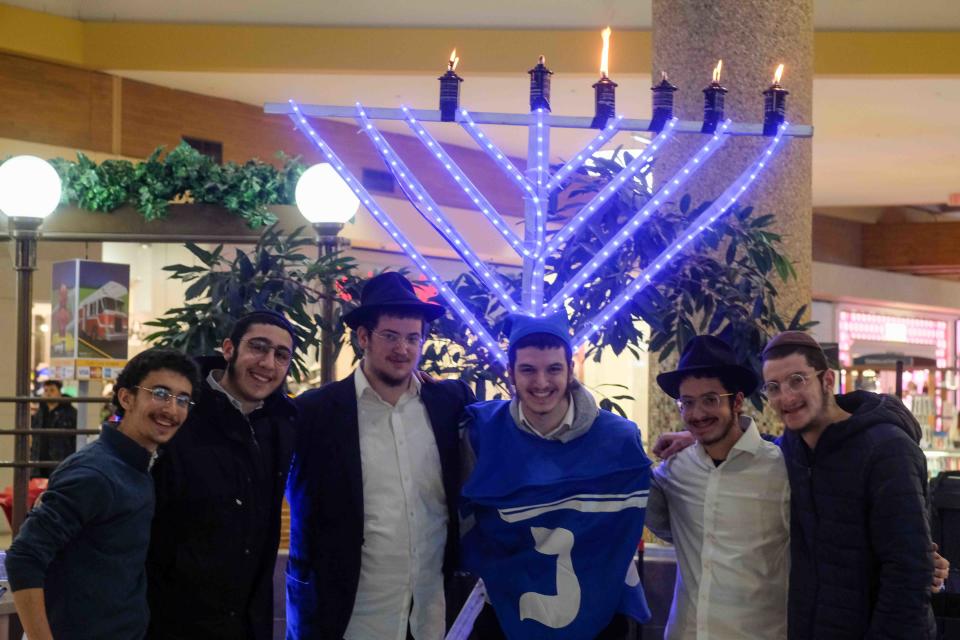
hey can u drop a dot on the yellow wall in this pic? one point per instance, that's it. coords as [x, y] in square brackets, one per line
[244, 48]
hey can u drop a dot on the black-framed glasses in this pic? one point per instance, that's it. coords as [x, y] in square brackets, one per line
[163, 395]
[795, 382]
[708, 402]
[261, 347]
[392, 338]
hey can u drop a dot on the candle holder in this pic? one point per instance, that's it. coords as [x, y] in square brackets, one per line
[450, 90]
[540, 86]
[774, 105]
[774, 109]
[605, 102]
[713, 99]
[662, 103]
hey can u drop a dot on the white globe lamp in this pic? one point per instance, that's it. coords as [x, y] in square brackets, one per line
[323, 197]
[29, 187]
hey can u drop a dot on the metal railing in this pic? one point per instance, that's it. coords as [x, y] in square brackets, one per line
[21, 463]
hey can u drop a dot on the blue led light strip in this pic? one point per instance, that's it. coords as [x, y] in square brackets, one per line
[719, 207]
[631, 226]
[584, 154]
[485, 207]
[432, 213]
[612, 187]
[388, 225]
[539, 133]
[498, 156]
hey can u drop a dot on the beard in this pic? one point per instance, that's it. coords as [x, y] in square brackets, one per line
[388, 378]
[723, 434]
[818, 420]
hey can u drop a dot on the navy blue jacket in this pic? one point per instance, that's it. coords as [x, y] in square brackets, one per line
[861, 565]
[326, 501]
[86, 543]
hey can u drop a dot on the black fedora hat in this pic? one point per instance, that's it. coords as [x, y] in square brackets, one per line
[706, 355]
[390, 291]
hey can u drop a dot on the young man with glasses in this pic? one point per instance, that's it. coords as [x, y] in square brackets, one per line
[76, 567]
[860, 559]
[724, 503]
[799, 387]
[220, 487]
[375, 484]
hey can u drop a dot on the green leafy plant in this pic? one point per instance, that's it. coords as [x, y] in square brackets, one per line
[276, 275]
[724, 283]
[245, 190]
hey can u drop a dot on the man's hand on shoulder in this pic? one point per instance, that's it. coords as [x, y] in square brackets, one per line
[670, 444]
[426, 378]
[941, 569]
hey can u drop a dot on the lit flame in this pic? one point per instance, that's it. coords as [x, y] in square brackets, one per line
[663, 76]
[778, 74]
[716, 71]
[542, 60]
[604, 56]
[454, 60]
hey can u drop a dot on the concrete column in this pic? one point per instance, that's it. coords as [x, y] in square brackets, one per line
[752, 37]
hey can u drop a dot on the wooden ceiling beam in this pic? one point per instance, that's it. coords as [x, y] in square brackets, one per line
[919, 247]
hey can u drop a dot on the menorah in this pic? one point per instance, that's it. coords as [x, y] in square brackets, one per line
[537, 183]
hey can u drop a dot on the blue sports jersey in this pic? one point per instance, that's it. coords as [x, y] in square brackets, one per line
[552, 527]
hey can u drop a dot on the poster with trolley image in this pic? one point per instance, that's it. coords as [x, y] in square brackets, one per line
[89, 318]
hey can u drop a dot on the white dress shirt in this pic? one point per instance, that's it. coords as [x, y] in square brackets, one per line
[404, 522]
[731, 528]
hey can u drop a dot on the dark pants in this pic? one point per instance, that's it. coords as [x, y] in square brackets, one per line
[488, 628]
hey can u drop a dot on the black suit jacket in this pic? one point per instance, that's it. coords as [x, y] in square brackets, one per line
[325, 491]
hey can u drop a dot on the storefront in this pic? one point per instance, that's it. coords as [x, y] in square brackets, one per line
[904, 352]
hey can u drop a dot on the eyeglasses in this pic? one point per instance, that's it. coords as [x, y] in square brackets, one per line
[262, 348]
[794, 382]
[708, 401]
[392, 338]
[163, 395]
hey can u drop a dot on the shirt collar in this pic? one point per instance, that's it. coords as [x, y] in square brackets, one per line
[555, 434]
[362, 385]
[749, 442]
[216, 386]
[127, 449]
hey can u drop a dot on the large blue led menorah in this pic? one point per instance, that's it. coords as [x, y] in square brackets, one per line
[536, 184]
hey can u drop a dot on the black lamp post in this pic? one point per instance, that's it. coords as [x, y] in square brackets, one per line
[327, 203]
[29, 191]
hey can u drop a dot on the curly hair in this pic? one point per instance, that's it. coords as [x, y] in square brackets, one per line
[146, 362]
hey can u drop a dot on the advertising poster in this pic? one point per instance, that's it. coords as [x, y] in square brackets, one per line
[103, 292]
[89, 319]
[63, 299]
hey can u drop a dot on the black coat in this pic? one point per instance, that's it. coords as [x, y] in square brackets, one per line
[217, 527]
[860, 560]
[57, 448]
[326, 501]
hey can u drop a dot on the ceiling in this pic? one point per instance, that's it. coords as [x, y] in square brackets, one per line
[879, 140]
[503, 14]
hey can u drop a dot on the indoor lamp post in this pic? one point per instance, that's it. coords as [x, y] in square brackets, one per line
[327, 203]
[29, 192]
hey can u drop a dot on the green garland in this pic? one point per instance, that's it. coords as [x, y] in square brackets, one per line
[245, 190]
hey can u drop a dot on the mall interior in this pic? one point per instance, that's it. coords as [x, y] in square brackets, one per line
[868, 207]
